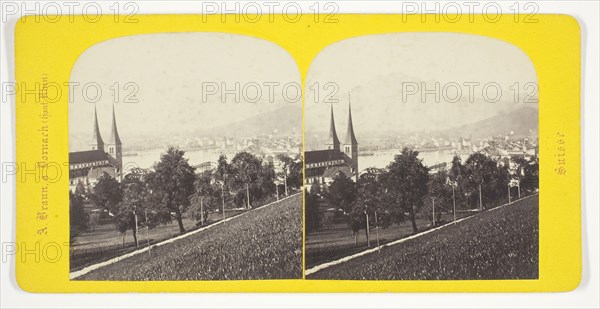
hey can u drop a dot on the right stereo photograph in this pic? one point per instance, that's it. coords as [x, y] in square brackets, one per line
[421, 160]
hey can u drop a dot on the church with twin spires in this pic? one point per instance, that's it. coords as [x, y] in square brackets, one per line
[102, 157]
[323, 165]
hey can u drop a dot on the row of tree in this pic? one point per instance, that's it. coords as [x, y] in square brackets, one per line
[173, 188]
[398, 192]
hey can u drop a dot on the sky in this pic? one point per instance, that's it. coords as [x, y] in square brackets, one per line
[384, 77]
[177, 79]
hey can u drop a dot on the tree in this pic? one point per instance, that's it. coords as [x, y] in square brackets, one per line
[221, 177]
[266, 181]
[245, 170]
[441, 190]
[107, 194]
[531, 175]
[78, 219]
[133, 211]
[80, 190]
[458, 178]
[250, 178]
[292, 170]
[223, 169]
[485, 173]
[355, 223]
[341, 193]
[311, 204]
[406, 183]
[206, 197]
[172, 183]
[371, 202]
[527, 172]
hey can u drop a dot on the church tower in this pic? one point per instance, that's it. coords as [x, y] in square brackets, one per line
[333, 142]
[96, 143]
[113, 146]
[351, 144]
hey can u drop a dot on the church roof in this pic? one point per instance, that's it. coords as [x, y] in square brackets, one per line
[114, 133]
[333, 171]
[350, 137]
[333, 138]
[87, 156]
[323, 156]
[97, 172]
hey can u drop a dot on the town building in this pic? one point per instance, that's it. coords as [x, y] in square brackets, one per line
[89, 165]
[321, 166]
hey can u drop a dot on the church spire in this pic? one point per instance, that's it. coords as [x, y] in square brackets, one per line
[114, 138]
[96, 143]
[333, 142]
[114, 148]
[351, 144]
[350, 137]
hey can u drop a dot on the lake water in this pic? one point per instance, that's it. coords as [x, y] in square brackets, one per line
[146, 159]
[379, 159]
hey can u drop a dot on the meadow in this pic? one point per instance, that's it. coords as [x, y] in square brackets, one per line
[265, 243]
[336, 241]
[104, 242]
[501, 243]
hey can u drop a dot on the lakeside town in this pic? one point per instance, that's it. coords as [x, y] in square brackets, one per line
[397, 187]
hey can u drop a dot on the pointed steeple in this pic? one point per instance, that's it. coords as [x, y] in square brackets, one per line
[96, 143]
[114, 148]
[333, 142]
[114, 138]
[351, 144]
[350, 137]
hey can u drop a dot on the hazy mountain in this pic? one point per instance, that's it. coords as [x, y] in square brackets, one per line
[282, 121]
[521, 122]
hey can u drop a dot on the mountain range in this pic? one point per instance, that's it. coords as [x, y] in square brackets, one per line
[521, 122]
[286, 120]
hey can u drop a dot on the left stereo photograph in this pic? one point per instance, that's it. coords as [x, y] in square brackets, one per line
[185, 160]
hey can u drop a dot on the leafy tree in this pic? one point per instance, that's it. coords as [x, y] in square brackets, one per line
[222, 178]
[459, 179]
[406, 181]
[527, 172]
[206, 197]
[171, 184]
[341, 193]
[107, 194]
[94, 219]
[355, 224]
[531, 175]
[79, 220]
[223, 169]
[133, 211]
[372, 199]
[266, 181]
[250, 175]
[312, 200]
[441, 190]
[245, 168]
[484, 171]
[292, 169]
[80, 189]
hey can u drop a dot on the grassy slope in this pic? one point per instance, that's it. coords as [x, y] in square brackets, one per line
[105, 242]
[337, 241]
[262, 244]
[498, 244]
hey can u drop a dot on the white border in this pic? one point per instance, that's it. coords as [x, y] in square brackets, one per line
[585, 296]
